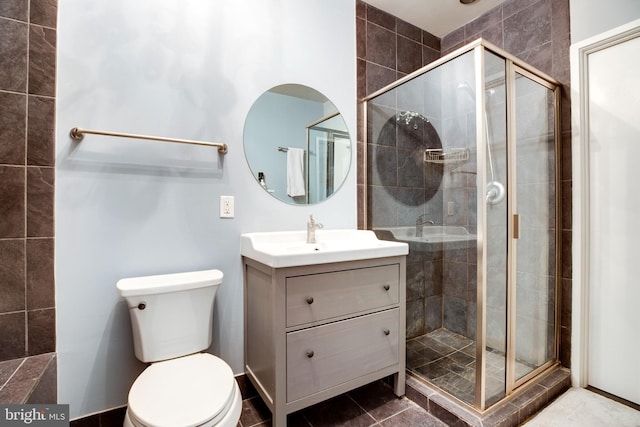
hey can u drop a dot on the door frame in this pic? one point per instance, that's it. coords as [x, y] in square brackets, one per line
[581, 190]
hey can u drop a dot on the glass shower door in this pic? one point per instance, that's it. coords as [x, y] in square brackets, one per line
[493, 190]
[533, 274]
[521, 263]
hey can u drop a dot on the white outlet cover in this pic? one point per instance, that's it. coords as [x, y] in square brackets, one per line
[226, 207]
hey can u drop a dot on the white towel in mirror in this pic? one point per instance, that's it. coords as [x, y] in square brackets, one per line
[295, 172]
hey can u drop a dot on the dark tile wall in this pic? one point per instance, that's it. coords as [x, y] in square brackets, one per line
[537, 32]
[387, 49]
[27, 118]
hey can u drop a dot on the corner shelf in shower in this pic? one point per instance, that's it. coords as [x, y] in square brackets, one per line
[456, 155]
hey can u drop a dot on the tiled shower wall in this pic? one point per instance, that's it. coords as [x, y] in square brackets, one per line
[388, 48]
[27, 114]
[536, 32]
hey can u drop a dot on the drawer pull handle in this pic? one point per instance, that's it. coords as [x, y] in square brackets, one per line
[309, 354]
[309, 300]
[386, 331]
[386, 287]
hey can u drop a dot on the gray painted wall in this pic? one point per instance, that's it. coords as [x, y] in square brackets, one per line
[592, 17]
[126, 208]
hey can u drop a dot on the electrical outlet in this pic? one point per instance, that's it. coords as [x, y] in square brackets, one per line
[226, 207]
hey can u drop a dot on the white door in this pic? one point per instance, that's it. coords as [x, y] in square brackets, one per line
[613, 142]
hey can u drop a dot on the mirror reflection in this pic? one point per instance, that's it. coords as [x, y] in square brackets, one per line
[297, 144]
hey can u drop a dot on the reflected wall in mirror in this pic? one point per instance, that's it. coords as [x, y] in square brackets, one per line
[297, 144]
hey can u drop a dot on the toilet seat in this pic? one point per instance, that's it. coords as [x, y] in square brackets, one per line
[196, 390]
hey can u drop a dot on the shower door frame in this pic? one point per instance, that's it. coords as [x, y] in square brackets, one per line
[513, 70]
[513, 66]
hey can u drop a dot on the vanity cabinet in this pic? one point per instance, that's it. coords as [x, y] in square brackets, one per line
[314, 332]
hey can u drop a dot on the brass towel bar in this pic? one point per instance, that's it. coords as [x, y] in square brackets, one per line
[78, 135]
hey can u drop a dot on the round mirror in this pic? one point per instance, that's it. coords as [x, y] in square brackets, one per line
[297, 144]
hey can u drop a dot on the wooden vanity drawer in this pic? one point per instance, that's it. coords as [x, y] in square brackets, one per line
[327, 295]
[324, 356]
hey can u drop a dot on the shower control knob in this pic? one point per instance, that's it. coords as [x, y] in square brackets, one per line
[309, 300]
[142, 306]
[386, 287]
[309, 354]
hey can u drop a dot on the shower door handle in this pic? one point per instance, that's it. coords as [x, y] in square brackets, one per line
[516, 226]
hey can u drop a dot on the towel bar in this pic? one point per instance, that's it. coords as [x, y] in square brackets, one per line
[78, 135]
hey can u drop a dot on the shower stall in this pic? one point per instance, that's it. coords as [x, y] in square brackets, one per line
[462, 164]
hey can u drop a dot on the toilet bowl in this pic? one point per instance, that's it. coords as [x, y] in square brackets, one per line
[196, 390]
[171, 318]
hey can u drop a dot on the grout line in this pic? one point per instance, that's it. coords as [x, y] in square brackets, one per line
[26, 183]
[10, 165]
[2, 239]
[375, 421]
[13, 312]
[28, 21]
[403, 410]
[14, 373]
[360, 406]
[16, 20]
[11, 92]
[24, 280]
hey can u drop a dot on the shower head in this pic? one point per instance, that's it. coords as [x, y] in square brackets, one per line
[408, 117]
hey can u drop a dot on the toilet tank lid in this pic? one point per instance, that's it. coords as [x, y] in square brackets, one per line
[165, 283]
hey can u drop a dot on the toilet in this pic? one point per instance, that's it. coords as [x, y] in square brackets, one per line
[172, 322]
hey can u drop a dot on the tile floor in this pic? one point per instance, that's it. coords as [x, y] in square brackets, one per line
[370, 405]
[376, 405]
[30, 379]
[447, 360]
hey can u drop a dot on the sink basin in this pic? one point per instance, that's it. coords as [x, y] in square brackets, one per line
[289, 248]
[431, 234]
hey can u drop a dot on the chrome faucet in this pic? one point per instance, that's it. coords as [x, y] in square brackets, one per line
[420, 222]
[312, 226]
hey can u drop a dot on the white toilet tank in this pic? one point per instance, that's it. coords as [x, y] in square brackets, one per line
[171, 314]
